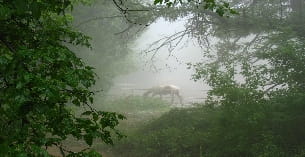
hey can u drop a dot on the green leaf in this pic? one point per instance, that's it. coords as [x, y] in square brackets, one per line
[36, 11]
[95, 116]
[19, 85]
[88, 139]
[21, 6]
[91, 99]
[87, 113]
[120, 116]
[158, 1]
[76, 102]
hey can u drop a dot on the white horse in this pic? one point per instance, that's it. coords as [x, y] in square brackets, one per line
[165, 90]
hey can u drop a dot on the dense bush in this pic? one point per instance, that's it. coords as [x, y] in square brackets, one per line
[270, 128]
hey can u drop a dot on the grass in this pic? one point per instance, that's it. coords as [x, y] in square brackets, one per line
[174, 133]
[139, 111]
[135, 104]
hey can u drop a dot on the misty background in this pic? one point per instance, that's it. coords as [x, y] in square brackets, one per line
[165, 67]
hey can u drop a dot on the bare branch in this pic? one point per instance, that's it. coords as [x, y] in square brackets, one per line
[124, 11]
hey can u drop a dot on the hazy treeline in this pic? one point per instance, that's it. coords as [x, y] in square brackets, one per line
[112, 36]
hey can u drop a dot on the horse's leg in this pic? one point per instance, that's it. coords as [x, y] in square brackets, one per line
[153, 94]
[180, 98]
[161, 96]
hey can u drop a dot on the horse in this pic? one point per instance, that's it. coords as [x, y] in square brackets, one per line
[164, 90]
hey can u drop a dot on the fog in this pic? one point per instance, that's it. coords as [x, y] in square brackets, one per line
[165, 67]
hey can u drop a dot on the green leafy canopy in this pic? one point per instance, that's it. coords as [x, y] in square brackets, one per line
[40, 77]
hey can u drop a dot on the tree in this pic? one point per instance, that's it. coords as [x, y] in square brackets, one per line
[256, 72]
[41, 77]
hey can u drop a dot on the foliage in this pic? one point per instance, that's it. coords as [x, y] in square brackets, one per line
[243, 125]
[40, 76]
[221, 8]
[173, 134]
